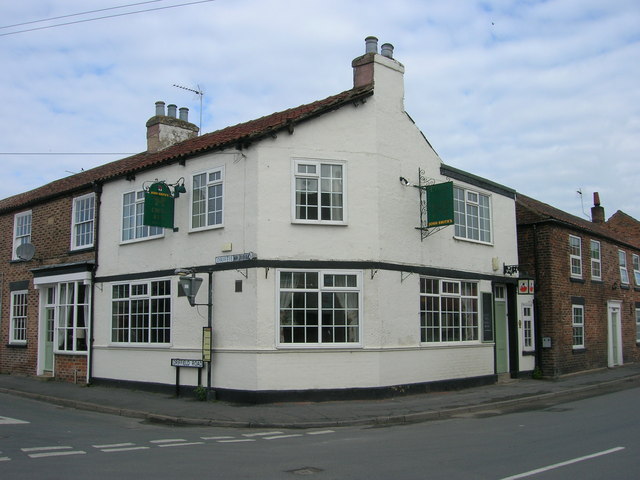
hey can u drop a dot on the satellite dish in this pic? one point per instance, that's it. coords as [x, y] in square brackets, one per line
[26, 251]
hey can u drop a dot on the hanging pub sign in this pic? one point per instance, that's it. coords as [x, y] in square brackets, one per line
[526, 287]
[158, 206]
[440, 204]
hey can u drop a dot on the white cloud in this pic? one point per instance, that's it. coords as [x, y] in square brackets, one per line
[541, 96]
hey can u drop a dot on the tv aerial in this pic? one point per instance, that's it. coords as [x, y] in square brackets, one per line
[198, 91]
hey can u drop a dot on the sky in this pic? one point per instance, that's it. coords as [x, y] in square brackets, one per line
[540, 96]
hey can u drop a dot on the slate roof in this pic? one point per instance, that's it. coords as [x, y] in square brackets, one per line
[530, 211]
[240, 136]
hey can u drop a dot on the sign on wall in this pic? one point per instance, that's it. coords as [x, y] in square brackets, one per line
[440, 204]
[158, 206]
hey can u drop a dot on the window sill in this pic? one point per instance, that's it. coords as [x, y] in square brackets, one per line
[63, 352]
[17, 345]
[471, 240]
[579, 350]
[138, 240]
[319, 223]
[576, 280]
[82, 250]
[206, 229]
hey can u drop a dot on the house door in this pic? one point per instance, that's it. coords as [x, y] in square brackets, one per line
[502, 336]
[49, 326]
[614, 341]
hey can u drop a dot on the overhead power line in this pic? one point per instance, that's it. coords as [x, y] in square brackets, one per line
[78, 14]
[104, 17]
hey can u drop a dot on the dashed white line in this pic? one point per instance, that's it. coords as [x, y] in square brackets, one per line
[180, 444]
[123, 449]
[114, 445]
[57, 454]
[277, 437]
[4, 459]
[42, 449]
[238, 440]
[321, 432]
[168, 440]
[260, 434]
[225, 437]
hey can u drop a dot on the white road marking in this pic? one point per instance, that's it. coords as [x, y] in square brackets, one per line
[276, 437]
[56, 454]
[168, 440]
[114, 445]
[321, 432]
[216, 438]
[4, 459]
[180, 444]
[563, 464]
[260, 434]
[237, 440]
[40, 449]
[123, 449]
[11, 421]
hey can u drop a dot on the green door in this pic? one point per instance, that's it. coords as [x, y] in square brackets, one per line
[502, 337]
[49, 322]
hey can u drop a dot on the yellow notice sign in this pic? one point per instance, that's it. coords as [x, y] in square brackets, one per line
[206, 344]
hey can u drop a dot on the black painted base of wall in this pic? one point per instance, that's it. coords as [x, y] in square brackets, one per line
[325, 395]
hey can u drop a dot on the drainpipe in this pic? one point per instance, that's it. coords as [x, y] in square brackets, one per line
[97, 187]
[536, 311]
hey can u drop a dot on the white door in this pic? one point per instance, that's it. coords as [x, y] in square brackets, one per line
[614, 341]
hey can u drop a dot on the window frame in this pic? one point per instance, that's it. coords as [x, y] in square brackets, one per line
[637, 323]
[448, 299]
[635, 259]
[123, 323]
[622, 263]
[528, 328]
[577, 325]
[462, 229]
[76, 224]
[319, 205]
[319, 308]
[23, 237]
[596, 261]
[138, 216]
[218, 182]
[71, 339]
[19, 317]
[575, 256]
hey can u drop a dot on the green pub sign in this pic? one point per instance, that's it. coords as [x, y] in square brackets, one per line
[440, 204]
[158, 206]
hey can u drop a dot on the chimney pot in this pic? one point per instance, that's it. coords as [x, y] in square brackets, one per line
[387, 50]
[171, 110]
[596, 199]
[184, 114]
[160, 108]
[371, 45]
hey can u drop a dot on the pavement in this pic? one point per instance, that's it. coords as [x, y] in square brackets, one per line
[503, 397]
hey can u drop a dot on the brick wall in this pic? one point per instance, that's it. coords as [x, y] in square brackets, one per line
[544, 253]
[51, 236]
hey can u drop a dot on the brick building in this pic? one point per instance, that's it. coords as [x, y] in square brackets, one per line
[587, 276]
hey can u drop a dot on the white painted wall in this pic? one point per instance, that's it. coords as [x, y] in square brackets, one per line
[378, 143]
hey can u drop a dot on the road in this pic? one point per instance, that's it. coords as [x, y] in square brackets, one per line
[594, 438]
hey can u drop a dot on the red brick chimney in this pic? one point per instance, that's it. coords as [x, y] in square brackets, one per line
[166, 130]
[597, 212]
